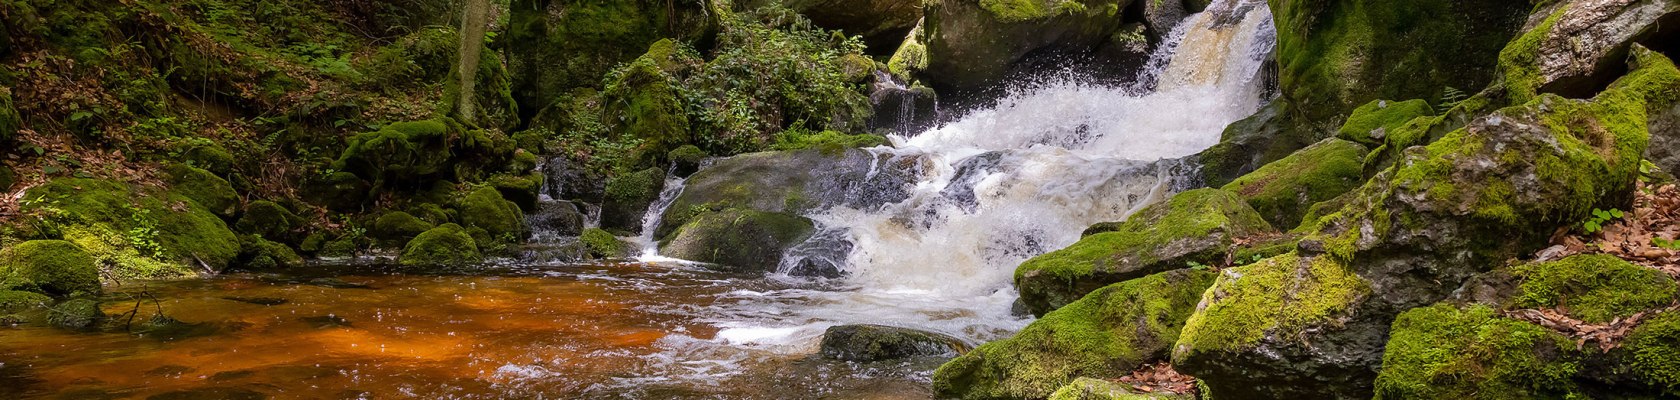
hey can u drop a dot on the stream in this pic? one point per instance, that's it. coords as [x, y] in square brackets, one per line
[994, 188]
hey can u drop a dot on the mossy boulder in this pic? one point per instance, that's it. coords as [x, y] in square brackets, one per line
[645, 96]
[1575, 48]
[560, 218]
[1098, 389]
[1194, 227]
[54, 267]
[1443, 352]
[1335, 55]
[738, 240]
[1650, 356]
[1272, 133]
[881, 23]
[270, 220]
[1283, 190]
[628, 197]
[519, 189]
[209, 190]
[1313, 322]
[138, 232]
[403, 151]
[972, 45]
[207, 155]
[13, 302]
[76, 314]
[448, 245]
[1370, 123]
[793, 182]
[485, 209]
[399, 227]
[1106, 334]
[603, 245]
[258, 254]
[686, 160]
[867, 343]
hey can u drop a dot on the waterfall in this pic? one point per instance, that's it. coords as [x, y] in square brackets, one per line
[650, 221]
[1010, 182]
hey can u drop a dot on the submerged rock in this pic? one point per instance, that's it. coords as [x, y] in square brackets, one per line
[866, 343]
[738, 240]
[1194, 227]
[76, 314]
[1107, 334]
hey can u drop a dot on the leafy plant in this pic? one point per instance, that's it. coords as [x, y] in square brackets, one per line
[1450, 97]
[1599, 218]
[1671, 244]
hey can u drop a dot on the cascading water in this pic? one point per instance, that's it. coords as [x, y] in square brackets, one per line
[996, 187]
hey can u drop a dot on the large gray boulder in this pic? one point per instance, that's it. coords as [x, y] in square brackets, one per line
[794, 182]
[1575, 48]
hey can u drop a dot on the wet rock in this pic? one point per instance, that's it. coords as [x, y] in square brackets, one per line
[336, 283]
[866, 343]
[558, 218]
[1370, 124]
[1283, 190]
[571, 181]
[794, 182]
[1305, 324]
[628, 198]
[1195, 227]
[686, 160]
[170, 371]
[1106, 334]
[738, 240]
[600, 244]
[902, 110]
[973, 45]
[399, 227]
[257, 254]
[339, 191]
[327, 322]
[15, 301]
[500, 219]
[270, 220]
[1575, 48]
[76, 314]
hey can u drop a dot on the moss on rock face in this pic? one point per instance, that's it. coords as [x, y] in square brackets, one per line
[647, 100]
[1442, 352]
[209, 190]
[1283, 190]
[17, 301]
[138, 232]
[555, 46]
[259, 254]
[1654, 352]
[54, 267]
[1279, 297]
[1106, 334]
[1594, 288]
[9, 120]
[603, 244]
[1335, 55]
[269, 220]
[738, 240]
[1197, 226]
[867, 343]
[76, 314]
[486, 209]
[443, 246]
[1370, 123]
[973, 44]
[338, 191]
[628, 197]
[207, 155]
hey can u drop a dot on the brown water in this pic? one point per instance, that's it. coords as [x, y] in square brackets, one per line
[606, 331]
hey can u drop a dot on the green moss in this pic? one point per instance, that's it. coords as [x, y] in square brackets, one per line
[9, 119]
[16, 301]
[447, 245]
[486, 209]
[209, 190]
[1334, 56]
[1519, 62]
[262, 254]
[1594, 288]
[53, 267]
[1655, 350]
[687, 158]
[400, 151]
[554, 47]
[738, 239]
[910, 58]
[1442, 352]
[602, 244]
[269, 220]
[519, 189]
[628, 196]
[1276, 297]
[1106, 334]
[1283, 190]
[1015, 10]
[207, 155]
[649, 105]
[828, 142]
[134, 232]
[1370, 123]
[342, 247]
[1193, 227]
[399, 226]
[339, 191]
[431, 213]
